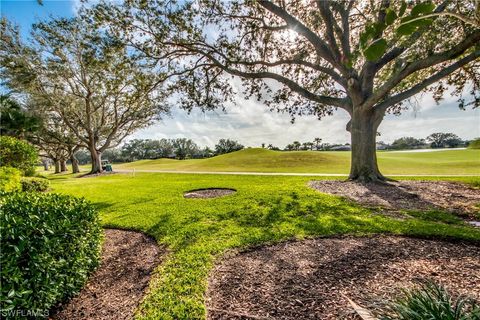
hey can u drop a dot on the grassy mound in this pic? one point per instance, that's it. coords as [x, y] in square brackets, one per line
[261, 160]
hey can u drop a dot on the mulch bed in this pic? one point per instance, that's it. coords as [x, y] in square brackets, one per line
[408, 195]
[118, 285]
[310, 279]
[209, 193]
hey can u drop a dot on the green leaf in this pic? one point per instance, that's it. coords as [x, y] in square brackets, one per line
[407, 28]
[375, 50]
[422, 8]
[390, 16]
[367, 35]
[403, 7]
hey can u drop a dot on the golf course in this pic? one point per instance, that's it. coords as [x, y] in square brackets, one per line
[240, 160]
[264, 210]
[448, 162]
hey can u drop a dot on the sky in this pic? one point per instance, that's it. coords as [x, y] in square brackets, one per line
[251, 123]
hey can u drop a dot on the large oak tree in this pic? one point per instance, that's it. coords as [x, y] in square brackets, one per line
[85, 77]
[365, 57]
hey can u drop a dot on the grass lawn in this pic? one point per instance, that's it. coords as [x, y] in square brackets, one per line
[197, 231]
[260, 160]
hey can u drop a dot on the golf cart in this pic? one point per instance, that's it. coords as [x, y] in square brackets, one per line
[106, 166]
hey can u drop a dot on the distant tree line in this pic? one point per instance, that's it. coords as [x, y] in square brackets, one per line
[435, 140]
[181, 148]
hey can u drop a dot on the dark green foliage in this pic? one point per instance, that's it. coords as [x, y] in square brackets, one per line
[34, 184]
[9, 179]
[410, 25]
[50, 243]
[16, 121]
[226, 146]
[18, 154]
[390, 16]
[408, 143]
[444, 140]
[433, 302]
[375, 50]
[422, 8]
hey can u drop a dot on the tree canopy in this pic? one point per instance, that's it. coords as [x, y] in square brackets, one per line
[86, 77]
[226, 146]
[310, 57]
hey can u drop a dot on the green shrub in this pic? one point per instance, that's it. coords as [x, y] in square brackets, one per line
[434, 302]
[474, 144]
[50, 243]
[34, 184]
[18, 154]
[10, 179]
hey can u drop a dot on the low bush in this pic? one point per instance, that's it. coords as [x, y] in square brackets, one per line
[10, 179]
[18, 154]
[34, 184]
[50, 243]
[432, 301]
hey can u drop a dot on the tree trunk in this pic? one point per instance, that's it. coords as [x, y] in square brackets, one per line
[57, 166]
[45, 164]
[363, 130]
[63, 165]
[96, 157]
[74, 161]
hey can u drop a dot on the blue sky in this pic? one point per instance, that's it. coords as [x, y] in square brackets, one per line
[27, 12]
[252, 124]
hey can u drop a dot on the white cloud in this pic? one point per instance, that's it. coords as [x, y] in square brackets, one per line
[251, 123]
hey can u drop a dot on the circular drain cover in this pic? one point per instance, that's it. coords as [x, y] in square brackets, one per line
[209, 193]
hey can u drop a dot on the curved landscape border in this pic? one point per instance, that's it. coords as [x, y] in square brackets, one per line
[116, 288]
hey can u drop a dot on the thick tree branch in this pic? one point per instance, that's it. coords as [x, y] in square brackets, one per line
[427, 62]
[326, 13]
[345, 31]
[292, 85]
[429, 81]
[318, 43]
[395, 52]
[329, 71]
[367, 74]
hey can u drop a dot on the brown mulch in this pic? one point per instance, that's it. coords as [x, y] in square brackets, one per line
[209, 193]
[118, 285]
[310, 279]
[408, 195]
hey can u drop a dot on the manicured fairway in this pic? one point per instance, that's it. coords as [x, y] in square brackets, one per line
[260, 160]
[197, 231]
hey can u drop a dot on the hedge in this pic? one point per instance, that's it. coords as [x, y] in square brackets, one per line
[34, 184]
[10, 179]
[18, 154]
[50, 243]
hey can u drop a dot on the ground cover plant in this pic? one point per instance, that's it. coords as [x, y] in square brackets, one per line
[10, 179]
[432, 301]
[32, 184]
[447, 162]
[50, 244]
[18, 154]
[198, 231]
